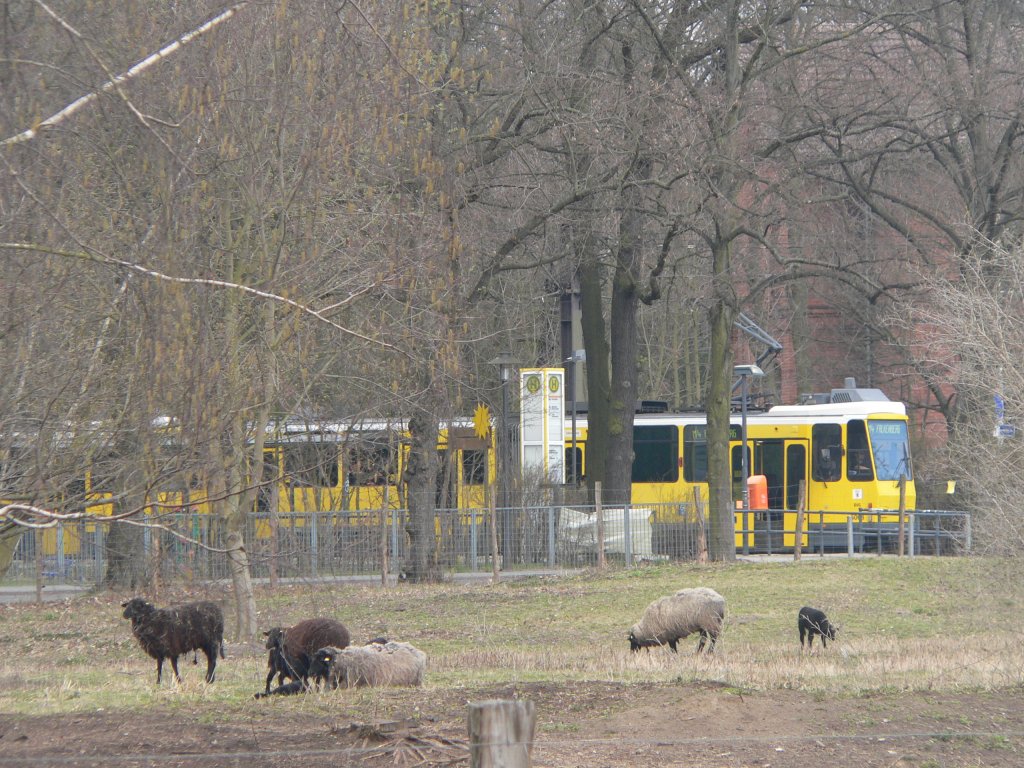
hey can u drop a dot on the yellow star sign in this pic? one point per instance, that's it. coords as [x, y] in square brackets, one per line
[481, 421]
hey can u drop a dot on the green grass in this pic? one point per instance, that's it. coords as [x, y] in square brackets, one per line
[906, 624]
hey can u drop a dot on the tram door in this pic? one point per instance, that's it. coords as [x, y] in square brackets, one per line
[784, 465]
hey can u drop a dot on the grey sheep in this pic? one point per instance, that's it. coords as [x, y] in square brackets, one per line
[291, 649]
[167, 633]
[375, 664]
[669, 619]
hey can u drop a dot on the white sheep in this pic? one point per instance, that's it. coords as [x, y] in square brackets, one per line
[374, 664]
[669, 619]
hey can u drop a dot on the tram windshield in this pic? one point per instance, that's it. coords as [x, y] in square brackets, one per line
[891, 448]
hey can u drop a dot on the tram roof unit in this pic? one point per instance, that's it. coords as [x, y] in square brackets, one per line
[296, 430]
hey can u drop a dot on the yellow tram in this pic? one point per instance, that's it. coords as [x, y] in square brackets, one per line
[849, 455]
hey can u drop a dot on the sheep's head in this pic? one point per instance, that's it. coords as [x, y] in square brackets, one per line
[320, 666]
[136, 609]
[275, 636]
[829, 629]
[634, 643]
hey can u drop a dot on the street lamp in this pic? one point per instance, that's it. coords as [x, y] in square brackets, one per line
[578, 356]
[505, 363]
[745, 372]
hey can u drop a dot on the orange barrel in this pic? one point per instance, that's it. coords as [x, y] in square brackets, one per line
[757, 488]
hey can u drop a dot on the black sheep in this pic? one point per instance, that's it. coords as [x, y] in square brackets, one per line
[292, 649]
[811, 622]
[167, 633]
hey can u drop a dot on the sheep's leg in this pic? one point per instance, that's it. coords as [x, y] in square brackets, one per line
[159, 669]
[703, 639]
[174, 666]
[211, 663]
[270, 678]
[672, 645]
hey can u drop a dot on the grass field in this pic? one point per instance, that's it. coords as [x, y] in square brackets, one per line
[918, 624]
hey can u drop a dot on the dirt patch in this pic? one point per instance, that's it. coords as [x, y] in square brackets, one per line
[580, 724]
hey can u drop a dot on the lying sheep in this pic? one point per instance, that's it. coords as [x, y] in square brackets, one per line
[167, 633]
[292, 649]
[669, 619]
[375, 664]
[811, 622]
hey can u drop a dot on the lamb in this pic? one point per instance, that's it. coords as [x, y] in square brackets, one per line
[167, 633]
[811, 622]
[292, 649]
[374, 664]
[669, 619]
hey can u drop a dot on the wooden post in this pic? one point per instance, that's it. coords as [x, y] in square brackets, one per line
[501, 733]
[601, 562]
[39, 565]
[492, 502]
[384, 509]
[798, 538]
[274, 534]
[702, 534]
[903, 511]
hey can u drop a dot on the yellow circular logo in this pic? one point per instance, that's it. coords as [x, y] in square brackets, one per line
[533, 384]
[553, 383]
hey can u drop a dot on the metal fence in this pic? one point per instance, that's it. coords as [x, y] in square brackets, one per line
[335, 544]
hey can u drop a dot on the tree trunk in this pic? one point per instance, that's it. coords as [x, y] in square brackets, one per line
[241, 580]
[722, 539]
[421, 477]
[598, 386]
[623, 334]
[126, 564]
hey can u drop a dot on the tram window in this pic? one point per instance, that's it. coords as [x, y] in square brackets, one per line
[695, 453]
[311, 464]
[369, 464]
[858, 457]
[891, 446]
[474, 467]
[570, 466]
[826, 452]
[655, 452]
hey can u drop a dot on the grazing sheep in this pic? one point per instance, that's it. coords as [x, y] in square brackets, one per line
[167, 633]
[669, 619]
[374, 664]
[292, 649]
[811, 622]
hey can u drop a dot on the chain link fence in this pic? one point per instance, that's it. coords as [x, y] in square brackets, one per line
[188, 548]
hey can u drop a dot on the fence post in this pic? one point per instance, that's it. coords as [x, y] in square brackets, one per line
[60, 552]
[849, 535]
[492, 502]
[798, 536]
[313, 555]
[551, 537]
[967, 532]
[627, 530]
[501, 733]
[910, 524]
[473, 543]
[903, 511]
[384, 538]
[702, 538]
[99, 554]
[599, 511]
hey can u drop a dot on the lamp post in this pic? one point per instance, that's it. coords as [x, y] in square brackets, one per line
[578, 356]
[745, 372]
[505, 363]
